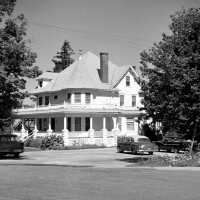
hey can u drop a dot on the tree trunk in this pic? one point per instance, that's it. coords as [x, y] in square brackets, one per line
[193, 137]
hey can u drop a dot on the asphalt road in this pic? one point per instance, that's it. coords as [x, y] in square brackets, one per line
[83, 183]
[58, 175]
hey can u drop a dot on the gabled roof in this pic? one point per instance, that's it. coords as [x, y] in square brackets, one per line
[47, 75]
[83, 73]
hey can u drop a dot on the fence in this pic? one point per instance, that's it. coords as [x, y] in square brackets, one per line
[79, 138]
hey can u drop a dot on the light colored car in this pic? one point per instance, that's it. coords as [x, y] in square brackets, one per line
[135, 144]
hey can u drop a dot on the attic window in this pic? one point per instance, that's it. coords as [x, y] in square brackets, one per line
[40, 83]
[127, 80]
[55, 97]
[87, 98]
[77, 98]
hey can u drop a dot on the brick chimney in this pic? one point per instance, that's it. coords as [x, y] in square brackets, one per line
[104, 67]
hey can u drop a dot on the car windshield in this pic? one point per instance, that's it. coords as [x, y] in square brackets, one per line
[7, 139]
[143, 140]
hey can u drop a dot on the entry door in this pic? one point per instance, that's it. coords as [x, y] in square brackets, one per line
[53, 124]
[77, 124]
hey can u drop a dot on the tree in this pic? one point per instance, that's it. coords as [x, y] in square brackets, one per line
[16, 60]
[63, 58]
[171, 70]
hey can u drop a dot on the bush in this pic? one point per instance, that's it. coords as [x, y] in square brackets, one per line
[33, 142]
[84, 146]
[52, 142]
[182, 160]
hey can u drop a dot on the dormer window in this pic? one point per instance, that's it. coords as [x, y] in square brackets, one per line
[127, 80]
[40, 83]
[87, 98]
[69, 97]
[77, 97]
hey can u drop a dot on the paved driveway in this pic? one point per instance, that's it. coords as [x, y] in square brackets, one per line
[103, 157]
[61, 175]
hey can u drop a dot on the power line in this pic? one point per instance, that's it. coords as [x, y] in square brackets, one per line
[92, 33]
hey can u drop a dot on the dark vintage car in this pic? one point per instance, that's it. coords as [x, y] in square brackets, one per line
[135, 144]
[175, 145]
[10, 145]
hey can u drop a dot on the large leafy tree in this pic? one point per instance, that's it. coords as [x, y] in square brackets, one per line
[16, 60]
[63, 57]
[171, 87]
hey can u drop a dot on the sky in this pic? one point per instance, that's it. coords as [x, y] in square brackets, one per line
[123, 28]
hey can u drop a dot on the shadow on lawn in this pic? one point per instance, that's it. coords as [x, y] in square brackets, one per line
[134, 159]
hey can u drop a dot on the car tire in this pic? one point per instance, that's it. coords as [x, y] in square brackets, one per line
[119, 150]
[175, 150]
[16, 155]
[133, 151]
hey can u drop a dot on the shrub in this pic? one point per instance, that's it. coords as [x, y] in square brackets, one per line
[33, 142]
[182, 160]
[52, 142]
[84, 146]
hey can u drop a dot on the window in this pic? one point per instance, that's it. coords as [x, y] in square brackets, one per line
[55, 97]
[121, 100]
[69, 123]
[120, 124]
[133, 100]
[87, 98]
[40, 83]
[77, 98]
[127, 80]
[77, 123]
[46, 100]
[40, 124]
[69, 98]
[130, 124]
[40, 101]
[87, 123]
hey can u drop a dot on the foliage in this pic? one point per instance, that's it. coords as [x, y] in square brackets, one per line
[16, 60]
[84, 146]
[171, 70]
[63, 58]
[149, 132]
[52, 142]
[33, 142]
[179, 160]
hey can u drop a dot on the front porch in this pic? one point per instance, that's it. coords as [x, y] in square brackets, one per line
[78, 130]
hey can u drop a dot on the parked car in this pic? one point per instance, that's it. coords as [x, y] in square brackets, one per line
[135, 144]
[172, 144]
[10, 145]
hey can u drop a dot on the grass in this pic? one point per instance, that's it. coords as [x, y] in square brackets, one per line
[179, 160]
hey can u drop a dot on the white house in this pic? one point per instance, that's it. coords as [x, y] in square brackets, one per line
[91, 101]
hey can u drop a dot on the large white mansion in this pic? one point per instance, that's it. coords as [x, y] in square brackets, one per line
[91, 101]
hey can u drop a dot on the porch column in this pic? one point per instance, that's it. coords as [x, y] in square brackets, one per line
[105, 141]
[114, 123]
[23, 129]
[91, 132]
[49, 130]
[65, 132]
[64, 123]
[91, 123]
[35, 131]
[115, 131]
[24, 133]
[104, 123]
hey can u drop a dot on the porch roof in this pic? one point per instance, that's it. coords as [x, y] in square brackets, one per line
[29, 113]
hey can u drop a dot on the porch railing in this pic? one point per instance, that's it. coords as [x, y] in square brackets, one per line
[73, 106]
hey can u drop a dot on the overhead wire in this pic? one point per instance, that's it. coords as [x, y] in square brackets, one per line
[97, 33]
